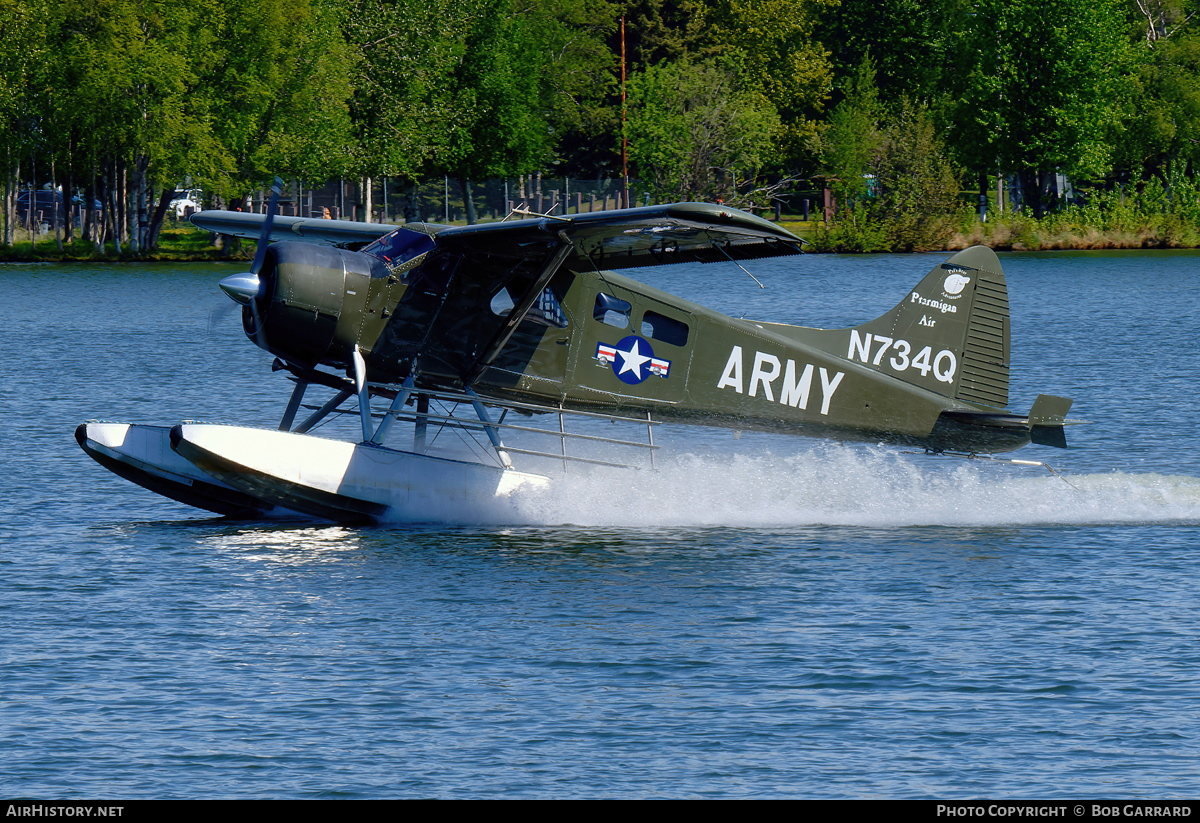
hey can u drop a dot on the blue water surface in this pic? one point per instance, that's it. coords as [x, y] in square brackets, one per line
[761, 617]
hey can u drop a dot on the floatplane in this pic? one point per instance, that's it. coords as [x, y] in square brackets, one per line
[495, 328]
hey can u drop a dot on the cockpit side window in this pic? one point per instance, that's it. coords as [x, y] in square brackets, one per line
[612, 311]
[399, 247]
[502, 303]
[547, 310]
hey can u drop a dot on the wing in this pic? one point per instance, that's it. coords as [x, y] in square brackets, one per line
[445, 319]
[626, 238]
[341, 233]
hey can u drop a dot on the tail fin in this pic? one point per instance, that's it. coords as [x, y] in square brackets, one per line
[949, 334]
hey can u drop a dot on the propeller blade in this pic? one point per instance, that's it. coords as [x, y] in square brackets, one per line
[246, 289]
[264, 236]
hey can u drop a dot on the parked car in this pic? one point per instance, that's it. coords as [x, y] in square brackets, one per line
[185, 199]
[44, 204]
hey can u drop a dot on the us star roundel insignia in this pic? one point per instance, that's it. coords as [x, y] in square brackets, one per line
[632, 360]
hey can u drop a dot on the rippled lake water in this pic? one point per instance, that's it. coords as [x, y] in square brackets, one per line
[761, 617]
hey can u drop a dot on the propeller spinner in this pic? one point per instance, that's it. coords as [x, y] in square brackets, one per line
[247, 288]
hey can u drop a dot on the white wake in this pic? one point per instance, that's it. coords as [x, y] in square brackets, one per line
[836, 485]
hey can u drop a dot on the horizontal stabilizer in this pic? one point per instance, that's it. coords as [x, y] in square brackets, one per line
[1046, 420]
[1049, 410]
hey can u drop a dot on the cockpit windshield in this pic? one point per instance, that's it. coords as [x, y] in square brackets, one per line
[399, 246]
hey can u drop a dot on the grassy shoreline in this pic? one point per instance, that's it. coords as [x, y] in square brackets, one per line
[1051, 233]
[178, 243]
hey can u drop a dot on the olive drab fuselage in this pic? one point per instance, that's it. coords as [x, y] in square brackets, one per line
[932, 372]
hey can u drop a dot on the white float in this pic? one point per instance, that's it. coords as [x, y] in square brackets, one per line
[142, 454]
[344, 481]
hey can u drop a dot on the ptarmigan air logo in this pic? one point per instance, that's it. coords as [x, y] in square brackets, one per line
[955, 283]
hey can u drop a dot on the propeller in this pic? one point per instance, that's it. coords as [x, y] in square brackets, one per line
[247, 289]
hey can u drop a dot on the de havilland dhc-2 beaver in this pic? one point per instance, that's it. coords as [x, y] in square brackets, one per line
[527, 320]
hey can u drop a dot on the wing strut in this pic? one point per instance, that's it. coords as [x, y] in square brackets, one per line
[517, 314]
[722, 249]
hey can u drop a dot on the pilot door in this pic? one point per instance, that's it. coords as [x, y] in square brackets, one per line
[632, 345]
[537, 352]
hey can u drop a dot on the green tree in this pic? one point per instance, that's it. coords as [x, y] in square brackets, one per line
[918, 203]
[696, 129]
[1162, 133]
[850, 146]
[228, 93]
[402, 103]
[23, 49]
[479, 88]
[910, 41]
[775, 42]
[849, 151]
[580, 82]
[279, 86]
[891, 176]
[128, 94]
[1044, 88]
[660, 31]
[498, 123]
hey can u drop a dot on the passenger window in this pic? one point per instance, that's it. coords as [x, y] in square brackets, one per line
[612, 311]
[667, 329]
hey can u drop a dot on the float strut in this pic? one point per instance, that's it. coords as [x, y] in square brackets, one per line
[490, 428]
[364, 393]
[419, 428]
[289, 414]
[321, 413]
[389, 419]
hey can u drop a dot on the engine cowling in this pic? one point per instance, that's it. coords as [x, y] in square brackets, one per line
[300, 310]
